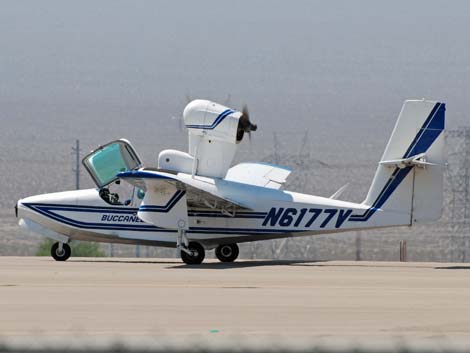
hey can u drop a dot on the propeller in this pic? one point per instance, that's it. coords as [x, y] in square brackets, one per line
[245, 125]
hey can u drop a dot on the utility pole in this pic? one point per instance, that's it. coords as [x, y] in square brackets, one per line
[76, 151]
[358, 245]
[303, 152]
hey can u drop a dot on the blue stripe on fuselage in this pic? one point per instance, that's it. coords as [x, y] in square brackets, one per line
[46, 210]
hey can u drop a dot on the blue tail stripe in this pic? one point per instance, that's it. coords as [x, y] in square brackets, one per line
[402, 173]
[426, 140]
[438, 123]
[421, 131]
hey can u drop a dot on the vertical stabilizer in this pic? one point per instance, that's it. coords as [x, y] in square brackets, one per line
[408, 183]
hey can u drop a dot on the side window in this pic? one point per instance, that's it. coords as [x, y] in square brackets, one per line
[107, 161]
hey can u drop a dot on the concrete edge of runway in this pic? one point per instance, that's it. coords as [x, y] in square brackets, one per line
[237, 344]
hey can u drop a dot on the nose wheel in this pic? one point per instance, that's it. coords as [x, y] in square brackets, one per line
[227, 252]
[193, 254]
[61, 251]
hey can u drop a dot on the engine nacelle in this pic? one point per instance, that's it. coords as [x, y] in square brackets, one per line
[212, 120]
[214, 133]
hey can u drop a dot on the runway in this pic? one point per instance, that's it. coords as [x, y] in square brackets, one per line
[112, 297]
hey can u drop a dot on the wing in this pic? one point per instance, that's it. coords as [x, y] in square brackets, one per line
[259, 174]
[168, 196]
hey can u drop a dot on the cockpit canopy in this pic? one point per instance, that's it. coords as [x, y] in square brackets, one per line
[107, 161]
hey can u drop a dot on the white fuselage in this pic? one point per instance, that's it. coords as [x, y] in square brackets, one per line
[83, 215]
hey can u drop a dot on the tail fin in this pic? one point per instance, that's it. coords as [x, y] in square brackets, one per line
[408, 183]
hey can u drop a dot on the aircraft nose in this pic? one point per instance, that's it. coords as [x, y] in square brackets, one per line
[20, 208]
[26, 207]
[33, 206]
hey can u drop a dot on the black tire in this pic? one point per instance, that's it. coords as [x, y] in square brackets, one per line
[61, 256]
[197, 256]
[227, 252]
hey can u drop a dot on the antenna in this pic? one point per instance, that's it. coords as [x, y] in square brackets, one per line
[76, 170]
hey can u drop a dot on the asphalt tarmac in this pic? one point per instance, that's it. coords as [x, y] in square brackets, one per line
[113, 297]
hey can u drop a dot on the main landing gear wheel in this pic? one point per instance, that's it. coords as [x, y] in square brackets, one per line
[61, 253]
[227, 252]
[197, 254]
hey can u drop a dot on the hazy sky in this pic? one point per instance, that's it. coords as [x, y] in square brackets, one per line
[302, 59]
[98, 70]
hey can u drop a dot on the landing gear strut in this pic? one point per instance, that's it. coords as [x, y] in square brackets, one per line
[227, 252]
[191, 253]
[61, 251]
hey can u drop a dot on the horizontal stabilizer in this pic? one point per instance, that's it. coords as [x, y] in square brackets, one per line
[418, 160]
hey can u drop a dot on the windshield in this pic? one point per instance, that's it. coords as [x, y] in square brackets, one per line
[104, 163]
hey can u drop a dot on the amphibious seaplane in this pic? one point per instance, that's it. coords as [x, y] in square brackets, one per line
[197, 201]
